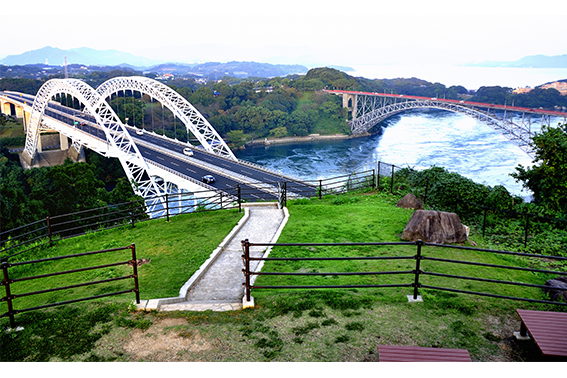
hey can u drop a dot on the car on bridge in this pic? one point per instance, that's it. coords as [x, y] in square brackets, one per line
[140, 131]
[208, 179]
[187, 151]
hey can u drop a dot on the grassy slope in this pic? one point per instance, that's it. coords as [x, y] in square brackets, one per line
[178, 247]
[292, 325]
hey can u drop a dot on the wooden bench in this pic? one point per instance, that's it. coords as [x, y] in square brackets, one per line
[548, 329]
[391, 353]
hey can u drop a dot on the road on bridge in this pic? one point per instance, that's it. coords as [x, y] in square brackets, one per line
[169, 153]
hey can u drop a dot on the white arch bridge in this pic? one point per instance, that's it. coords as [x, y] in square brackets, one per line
[154, 164]
[515, 123]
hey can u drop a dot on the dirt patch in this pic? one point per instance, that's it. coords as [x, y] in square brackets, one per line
[140, 262]
[166, 340]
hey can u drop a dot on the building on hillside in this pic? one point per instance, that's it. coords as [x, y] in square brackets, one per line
[165, 77]
[521, 90]
[561, 86]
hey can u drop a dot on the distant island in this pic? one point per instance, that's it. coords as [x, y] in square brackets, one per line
[531, 61]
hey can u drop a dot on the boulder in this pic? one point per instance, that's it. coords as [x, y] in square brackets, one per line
[557, 294]
[435, 227]
[410, 202]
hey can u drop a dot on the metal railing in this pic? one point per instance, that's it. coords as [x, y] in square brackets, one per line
[10, 296]
[416, 281]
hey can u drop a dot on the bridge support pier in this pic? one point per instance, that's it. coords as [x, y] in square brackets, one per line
[6, 108]
[76, 156]
[63, 142]
[27, 161]
[349, 102]
[51, 157]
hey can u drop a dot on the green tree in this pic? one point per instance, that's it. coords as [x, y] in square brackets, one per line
[236, 137]
[547, 178]
[278, 132]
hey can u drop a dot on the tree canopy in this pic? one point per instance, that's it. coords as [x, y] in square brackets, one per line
[547, 178]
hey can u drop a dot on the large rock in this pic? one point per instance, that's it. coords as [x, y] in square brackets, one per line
[557, 294]
[410, 202]
[435, 227]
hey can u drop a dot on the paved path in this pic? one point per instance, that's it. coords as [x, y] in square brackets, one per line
[220, 286]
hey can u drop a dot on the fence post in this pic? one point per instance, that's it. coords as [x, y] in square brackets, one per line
[135, 269]
[246, 245]
[378, 180]
[239, 199]
[392, 183]
[320, 188]
[8, 294]
[419, 243]
[132, 213]
[374, 178]
[48, 222]
[284, 194]
[526, 231]
[167, 205]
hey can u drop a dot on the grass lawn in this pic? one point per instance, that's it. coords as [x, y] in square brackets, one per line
[176, 249]
[293, 324]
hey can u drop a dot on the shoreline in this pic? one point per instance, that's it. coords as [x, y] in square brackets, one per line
[290, 140]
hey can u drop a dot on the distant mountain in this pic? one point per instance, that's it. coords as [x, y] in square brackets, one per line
[82, 55]
[531, 61]
[235, 69]
[89, 57]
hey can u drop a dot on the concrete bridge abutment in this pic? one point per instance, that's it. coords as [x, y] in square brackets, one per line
[349, 102]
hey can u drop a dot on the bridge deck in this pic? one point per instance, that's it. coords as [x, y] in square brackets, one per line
[461, 102]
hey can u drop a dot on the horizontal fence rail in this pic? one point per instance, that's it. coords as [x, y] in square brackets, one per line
[417, 281]
[10, 296]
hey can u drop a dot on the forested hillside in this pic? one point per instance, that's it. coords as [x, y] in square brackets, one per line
[33, 194]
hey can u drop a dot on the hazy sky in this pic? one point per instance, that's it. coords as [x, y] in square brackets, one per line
[347, 32]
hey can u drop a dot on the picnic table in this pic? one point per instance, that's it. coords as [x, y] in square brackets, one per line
[547, 328]
[393, 353]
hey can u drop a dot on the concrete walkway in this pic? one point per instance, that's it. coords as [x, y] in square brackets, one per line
[217, 285]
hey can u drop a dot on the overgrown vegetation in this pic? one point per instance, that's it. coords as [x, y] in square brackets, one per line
[33, 194]
[502, 217]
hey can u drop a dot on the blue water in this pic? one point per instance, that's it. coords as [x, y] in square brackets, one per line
[418, 139]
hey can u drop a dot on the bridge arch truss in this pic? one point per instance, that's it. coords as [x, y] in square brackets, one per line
[194, 122]
[118, 142]
[369, 110]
